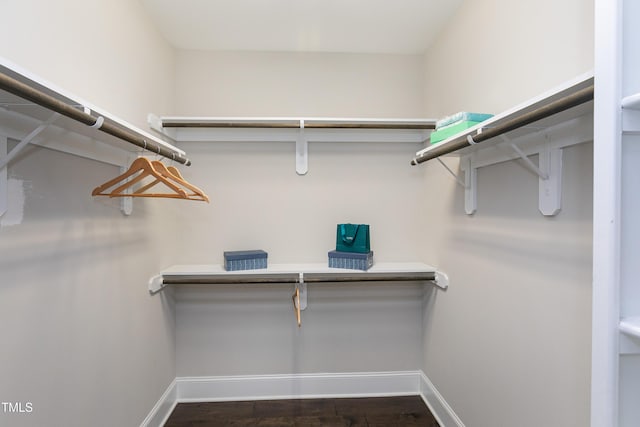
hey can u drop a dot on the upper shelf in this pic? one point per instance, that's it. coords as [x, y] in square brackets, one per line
[289, 129]
[27, 101]
[295, 273]
[568, 101]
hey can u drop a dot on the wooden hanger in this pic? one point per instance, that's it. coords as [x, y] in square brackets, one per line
[173, 174]
[143, 168]
[296, 305]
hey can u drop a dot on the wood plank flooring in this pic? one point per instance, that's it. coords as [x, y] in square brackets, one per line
[360, 412]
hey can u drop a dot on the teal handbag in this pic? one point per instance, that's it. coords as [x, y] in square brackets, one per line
[353, 238]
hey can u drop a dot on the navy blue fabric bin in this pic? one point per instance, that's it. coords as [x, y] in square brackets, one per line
[350, 260]
[245, 260]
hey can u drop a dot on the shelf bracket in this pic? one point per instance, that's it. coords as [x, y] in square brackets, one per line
[126, 203]
[550, 188]
[302, 286]
[442, 280]
[6, 156]
[527, 161]
[548, 170]
[156, 284]
[549, 174]
[302, 151]
[470, 185]
[26, 140]
[453, 174]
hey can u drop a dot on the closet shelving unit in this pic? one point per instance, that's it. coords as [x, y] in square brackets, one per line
[297, 274]
[34, 111]
[630, 310]
[615, 372]
[542, 126]
[300, 131]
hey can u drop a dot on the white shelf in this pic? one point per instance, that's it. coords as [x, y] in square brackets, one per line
[283, 129]
[630, 336]
[19, 117]
[631, 114]
[299, 130]
[182, 122]
[631, 102]
[631, 326]
[567, 89]
[295, 273]
[542, 126]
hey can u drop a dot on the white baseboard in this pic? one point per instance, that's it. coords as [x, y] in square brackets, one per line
[163, 408]
[302, 386]
[437, 405]
[211, 389]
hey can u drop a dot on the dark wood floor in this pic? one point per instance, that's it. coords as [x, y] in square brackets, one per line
[371, 412]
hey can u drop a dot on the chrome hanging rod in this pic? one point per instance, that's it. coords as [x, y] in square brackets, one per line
[36, 96]
[294, 278]
[570, 101]
[296, 123]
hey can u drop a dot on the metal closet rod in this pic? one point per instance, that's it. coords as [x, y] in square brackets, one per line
[295, 125]
[29, 93]
[573, 100]
[294, 278]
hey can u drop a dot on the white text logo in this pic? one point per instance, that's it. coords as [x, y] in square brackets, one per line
[17, 407]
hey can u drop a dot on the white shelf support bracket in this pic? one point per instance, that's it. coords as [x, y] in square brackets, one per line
[126, 203]
[155, 123]
[442, 280]
[527, 161]
[155, 284]
[453, 174]
[550, 189]
[26, 140]
[302, 287]
[302, 152]
[549, 171]
[6, 157]
[470, 185]
[4, 183]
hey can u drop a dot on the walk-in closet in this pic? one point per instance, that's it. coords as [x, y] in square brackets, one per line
[179, 181]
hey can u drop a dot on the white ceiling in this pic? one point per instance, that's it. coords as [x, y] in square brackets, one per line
[365, 26]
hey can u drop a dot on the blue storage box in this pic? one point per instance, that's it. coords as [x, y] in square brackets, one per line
[350, 260]
[245, 260]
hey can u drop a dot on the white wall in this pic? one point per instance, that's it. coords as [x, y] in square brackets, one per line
[496, 53]
[258, 201]
[106, 52]
[298, 85]
[82, 340]
[509, 342]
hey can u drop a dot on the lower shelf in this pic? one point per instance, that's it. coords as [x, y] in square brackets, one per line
[295, 273]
